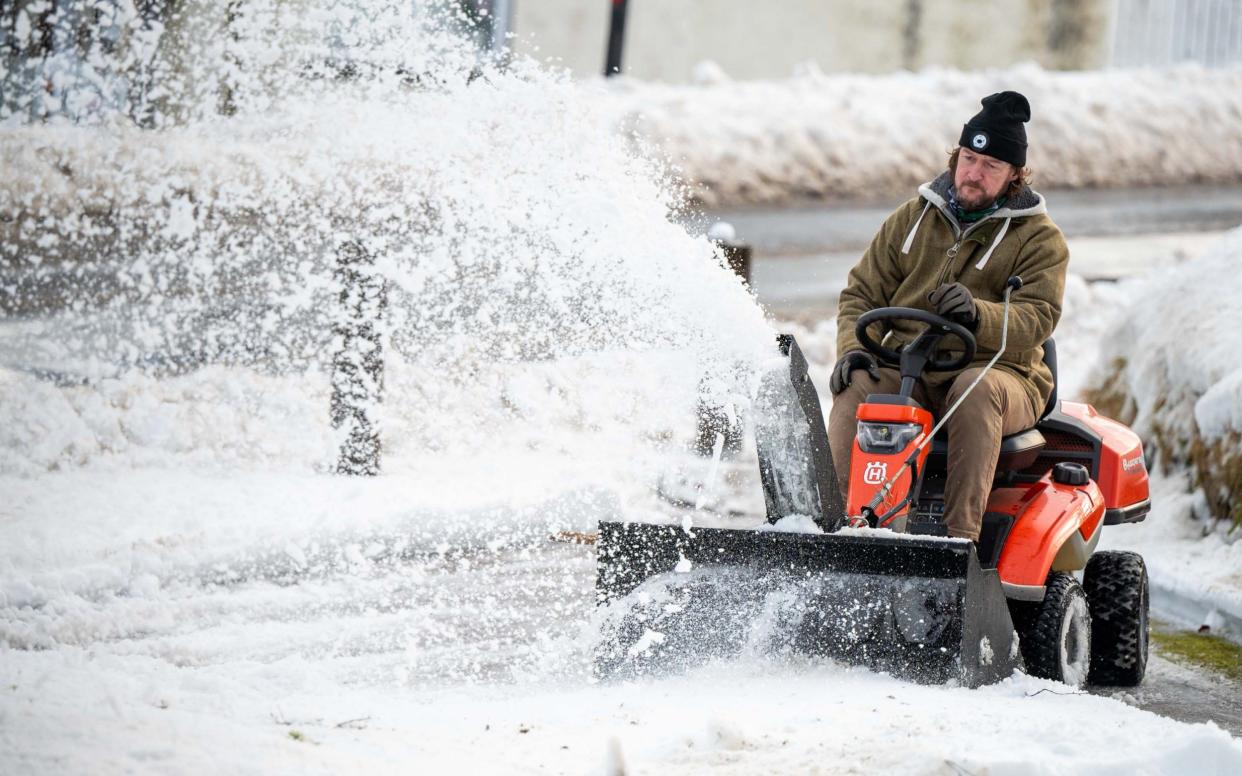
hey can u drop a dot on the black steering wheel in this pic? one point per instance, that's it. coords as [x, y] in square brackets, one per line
[925, 343]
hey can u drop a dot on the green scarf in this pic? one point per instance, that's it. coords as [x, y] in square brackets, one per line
[971, 216]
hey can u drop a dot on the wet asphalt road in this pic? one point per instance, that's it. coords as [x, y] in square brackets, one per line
[1186, 693]
[802, 253]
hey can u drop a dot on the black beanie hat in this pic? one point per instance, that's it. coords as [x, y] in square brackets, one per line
[997, 130]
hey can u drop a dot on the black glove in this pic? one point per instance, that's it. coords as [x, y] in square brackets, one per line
[953, 301]
[855, 359]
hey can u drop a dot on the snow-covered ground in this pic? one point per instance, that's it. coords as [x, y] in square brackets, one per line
[180, 595]
[189, 619]
[185, 588]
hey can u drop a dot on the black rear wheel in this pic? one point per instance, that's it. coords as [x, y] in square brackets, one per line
[1117, 592]
[1055, 633]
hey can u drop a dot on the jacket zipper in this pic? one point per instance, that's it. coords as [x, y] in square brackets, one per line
[962, 234]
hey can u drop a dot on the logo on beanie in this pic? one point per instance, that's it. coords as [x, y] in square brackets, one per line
[979, 141]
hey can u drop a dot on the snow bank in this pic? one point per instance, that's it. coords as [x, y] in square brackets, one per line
[817, 135]
[737, 142]
[1194, 568]
[223, 417]
[1169, 367]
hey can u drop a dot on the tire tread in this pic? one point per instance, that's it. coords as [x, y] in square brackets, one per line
[1039, 626]
[1117, 594]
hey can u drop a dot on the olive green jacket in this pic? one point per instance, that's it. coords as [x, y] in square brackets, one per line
[921, 245]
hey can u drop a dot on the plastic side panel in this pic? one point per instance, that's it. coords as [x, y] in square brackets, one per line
[1122, 474]
[1050, 515]
[1012, 501]
[869, 471]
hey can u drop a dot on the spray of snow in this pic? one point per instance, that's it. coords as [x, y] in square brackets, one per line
[648, 640]
[519, 284]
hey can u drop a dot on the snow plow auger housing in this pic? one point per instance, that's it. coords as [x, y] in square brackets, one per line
[909, 600]
[922, 609]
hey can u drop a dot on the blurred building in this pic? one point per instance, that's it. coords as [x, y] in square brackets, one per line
[666, 40]
[87, 59]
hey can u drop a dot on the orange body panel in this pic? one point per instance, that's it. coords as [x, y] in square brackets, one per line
[869, 471]
[1123, 474]
[1047, 513]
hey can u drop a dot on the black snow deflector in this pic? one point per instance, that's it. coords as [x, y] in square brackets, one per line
[795, 463]
[919, 607]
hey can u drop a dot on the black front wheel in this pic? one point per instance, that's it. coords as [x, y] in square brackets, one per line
[1117, 592]
[1055, 633]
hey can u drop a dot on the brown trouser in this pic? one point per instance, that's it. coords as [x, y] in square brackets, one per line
[997, 406]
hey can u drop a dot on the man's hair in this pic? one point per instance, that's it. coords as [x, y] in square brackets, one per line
[1015, 186]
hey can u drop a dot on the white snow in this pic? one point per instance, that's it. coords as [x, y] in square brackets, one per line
[649, 638]
[1178, 336]
[986, 655]
[817, 135]
[804, 524]
[811, 135]
[888, 533]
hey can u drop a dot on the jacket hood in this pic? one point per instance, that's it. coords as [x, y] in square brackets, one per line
[1028, 202]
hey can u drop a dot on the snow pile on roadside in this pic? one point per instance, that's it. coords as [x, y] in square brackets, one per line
[215, 416]
[1194, 568]
[817, 135]
[222, 417]
[1168, 366]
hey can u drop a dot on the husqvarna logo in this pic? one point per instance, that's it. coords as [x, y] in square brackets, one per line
[1133, 464]
[979, 141]
[875, 473]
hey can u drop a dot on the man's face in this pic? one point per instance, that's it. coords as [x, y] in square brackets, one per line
[980, 179]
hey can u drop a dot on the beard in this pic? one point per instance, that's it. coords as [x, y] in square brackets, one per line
[973, 197]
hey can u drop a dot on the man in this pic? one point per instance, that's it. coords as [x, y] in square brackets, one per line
[950, 251]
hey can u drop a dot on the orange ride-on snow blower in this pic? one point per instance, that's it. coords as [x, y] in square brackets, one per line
[875, 581]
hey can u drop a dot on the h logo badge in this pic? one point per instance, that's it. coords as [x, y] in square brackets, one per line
[875, 473]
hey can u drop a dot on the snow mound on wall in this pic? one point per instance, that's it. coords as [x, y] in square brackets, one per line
[1168, 365]
[817, 135]
[233, 416]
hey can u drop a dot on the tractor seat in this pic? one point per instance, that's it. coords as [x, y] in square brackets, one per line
[1017, 451]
